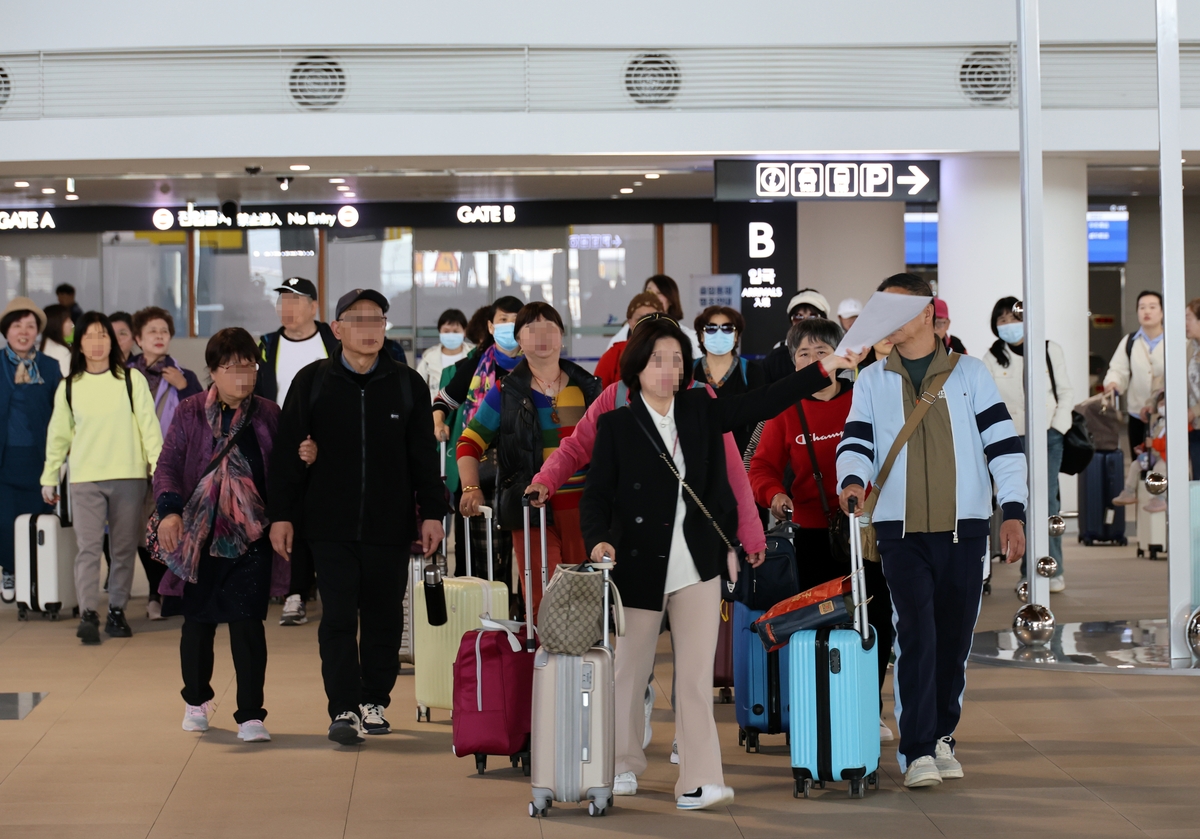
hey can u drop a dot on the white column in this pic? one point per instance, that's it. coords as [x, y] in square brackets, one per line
[847, 248]
[1066, 275]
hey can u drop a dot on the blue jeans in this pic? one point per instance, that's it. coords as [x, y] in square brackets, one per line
[1054, 453]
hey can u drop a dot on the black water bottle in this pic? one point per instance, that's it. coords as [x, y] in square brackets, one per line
[435, 595]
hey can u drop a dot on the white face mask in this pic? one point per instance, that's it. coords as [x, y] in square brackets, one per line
[1011, 333]
[451, 340]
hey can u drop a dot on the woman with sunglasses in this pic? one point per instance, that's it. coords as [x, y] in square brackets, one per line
[670, 543]
[720, 329]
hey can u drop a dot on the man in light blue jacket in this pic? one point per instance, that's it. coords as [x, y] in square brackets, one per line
[932, 518]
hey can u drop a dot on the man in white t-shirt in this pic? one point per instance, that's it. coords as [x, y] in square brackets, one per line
[299, 341]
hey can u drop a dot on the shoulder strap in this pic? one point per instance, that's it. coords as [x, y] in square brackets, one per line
[910, 426]
[745, 372]
[812, 455]
[318, 380]
[216, 461]
[128, 387]
[1129, 340]
[1050, 370]
[69, 405]
[622, 394]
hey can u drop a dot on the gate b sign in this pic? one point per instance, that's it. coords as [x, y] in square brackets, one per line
[890, 180]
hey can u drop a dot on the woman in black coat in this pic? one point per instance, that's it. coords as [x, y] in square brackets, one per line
[669, 553]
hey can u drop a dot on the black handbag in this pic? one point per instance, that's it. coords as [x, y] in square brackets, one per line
[1078, 446]
[839, 522]
[775, 580]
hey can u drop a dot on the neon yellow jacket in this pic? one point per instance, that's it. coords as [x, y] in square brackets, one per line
[106, 441]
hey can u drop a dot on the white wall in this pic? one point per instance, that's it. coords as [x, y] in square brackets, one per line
[844, 249]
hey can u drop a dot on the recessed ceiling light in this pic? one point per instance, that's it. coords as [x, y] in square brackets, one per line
[614, 196]
[72, 197]
[652, 176]
[626, 190]
[1138, 168]
[299, 167]
[348, 195]
[49, 190]
[1135, 193]
[343, 189]
[337, 180]
[20, 184]
[637, 183]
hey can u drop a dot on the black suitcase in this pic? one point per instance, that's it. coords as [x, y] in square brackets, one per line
[1099, 484]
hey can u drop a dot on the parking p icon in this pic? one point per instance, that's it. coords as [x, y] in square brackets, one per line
[875, 180]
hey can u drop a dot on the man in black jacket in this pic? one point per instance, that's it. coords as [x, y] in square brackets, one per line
[300, 340]
[370, 419]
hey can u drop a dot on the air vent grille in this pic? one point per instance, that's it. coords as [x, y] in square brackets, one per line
[317, 83]
[986, 76]
[652, 78]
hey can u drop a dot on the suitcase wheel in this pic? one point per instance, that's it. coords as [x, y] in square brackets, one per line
[741, 736]
[525, 767]
[480, 764]
[873, 780]
[22, 612]
[803, 788]
[535, 810]
[1122, 541]
[514, 761]
[52, 613]
[594, 810]
[858, 788]
[725, 697]
[75, 612]
[751, 741]
[987, 587]
[422, 711]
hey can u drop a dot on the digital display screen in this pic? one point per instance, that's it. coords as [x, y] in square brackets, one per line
[920, 238]
[1108, 233]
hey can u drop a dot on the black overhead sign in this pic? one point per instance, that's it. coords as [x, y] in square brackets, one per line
[827, 180]
[348, 217]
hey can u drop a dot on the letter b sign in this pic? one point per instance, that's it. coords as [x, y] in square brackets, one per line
[761, 243]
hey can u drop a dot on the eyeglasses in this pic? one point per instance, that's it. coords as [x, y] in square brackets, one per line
[656, 316]
[238, 369]
[365, 320]
[713, 328]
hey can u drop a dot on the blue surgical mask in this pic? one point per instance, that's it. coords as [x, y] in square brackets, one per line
[719, 344]
[506, 338]
[1011, 333]
[451, 340]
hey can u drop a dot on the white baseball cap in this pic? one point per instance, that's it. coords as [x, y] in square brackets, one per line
[809, 297]
[850, 308]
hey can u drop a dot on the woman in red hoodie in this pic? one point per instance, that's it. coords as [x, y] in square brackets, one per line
[783, 457]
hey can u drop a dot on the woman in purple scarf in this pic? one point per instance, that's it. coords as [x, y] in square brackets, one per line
[153, 328]
[210, 487]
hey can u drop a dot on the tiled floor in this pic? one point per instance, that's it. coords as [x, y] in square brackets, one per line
[103, 756]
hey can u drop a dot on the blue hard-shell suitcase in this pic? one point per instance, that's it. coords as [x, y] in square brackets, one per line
[760, 682]
[1099, 484]
[835, 697]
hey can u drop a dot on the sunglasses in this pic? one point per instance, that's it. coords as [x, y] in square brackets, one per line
[713, 328]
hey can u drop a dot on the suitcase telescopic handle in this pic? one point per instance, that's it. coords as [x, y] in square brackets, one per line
[858, 583]
[486, 512]
[604, 614]
[530, 645]
[442, 446]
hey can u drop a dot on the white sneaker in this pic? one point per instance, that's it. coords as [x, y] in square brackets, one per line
[294, 612]
[625, 783]
[922, 772]
[649, 702]
[8, 587]
[253, 731]
[195, 717]
[947, 764]
[373, 721]
[885, 733]
[675, 752]
[1058, 584]
[154, 610]
[346, 729]
[707, 796]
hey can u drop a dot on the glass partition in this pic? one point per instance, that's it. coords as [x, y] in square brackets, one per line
[146, 269]
[607, 265]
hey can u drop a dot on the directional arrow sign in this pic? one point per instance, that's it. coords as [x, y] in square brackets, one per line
[918, 179]
[806, 178]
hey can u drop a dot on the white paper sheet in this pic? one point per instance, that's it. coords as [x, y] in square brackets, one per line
[884, 313]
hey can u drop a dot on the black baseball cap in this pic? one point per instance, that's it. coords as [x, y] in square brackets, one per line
[354, 295]
[299, 285]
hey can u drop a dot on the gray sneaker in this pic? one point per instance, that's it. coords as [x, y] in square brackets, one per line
[947, 764]
[294, 613]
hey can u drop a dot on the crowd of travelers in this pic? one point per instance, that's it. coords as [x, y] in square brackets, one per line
[296, 471]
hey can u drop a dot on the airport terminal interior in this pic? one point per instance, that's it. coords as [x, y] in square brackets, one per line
[769, 158]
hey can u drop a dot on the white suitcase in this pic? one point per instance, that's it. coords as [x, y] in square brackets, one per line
[416, 575]
[1151, 527]
[436, 647]
[45, 566]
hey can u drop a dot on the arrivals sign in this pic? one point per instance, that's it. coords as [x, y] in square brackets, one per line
[824, 180]
[756, 242]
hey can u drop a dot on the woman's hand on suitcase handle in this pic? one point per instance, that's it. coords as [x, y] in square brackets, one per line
[1012, 539]
[757, 558]
[472, 500]
[537, 494]
[308, 450]
[604, 552]
[856, 492]
[282, 534]
[781, 507]
[441, 431]
[431, 535]
[170, 532]
[50, 495]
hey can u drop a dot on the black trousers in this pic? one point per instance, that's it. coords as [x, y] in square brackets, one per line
[247, 642]
[936, 586]
[816, 565]
[362, 591]
[154, 572]
[303, 575]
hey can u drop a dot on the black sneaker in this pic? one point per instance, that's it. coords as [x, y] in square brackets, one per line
[346, 729]
[117, 626]
[89, 628]
[373, 721]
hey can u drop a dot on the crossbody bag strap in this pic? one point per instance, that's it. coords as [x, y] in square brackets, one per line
[812, 455]
[671, 465]
[216, 461]
[926, 401]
